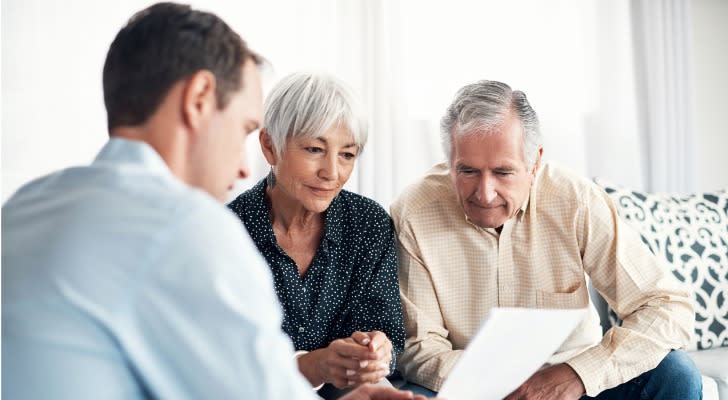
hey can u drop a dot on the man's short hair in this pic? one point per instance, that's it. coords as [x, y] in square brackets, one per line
[162, 45]
[484, 105]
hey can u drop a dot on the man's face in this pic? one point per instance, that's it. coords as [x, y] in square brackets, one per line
[228, 129]
[490, 175]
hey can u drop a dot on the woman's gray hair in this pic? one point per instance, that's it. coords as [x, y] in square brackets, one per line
[483, 106]
[307, 105]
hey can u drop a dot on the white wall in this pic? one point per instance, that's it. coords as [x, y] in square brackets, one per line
[710, 49]
[53, 51]
[52, 102]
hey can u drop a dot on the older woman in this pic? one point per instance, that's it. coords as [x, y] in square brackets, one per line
[331, 251]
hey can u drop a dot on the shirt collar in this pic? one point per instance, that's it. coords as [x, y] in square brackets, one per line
[522, 211]
[133, 152]
[260, 211]
[333, 220]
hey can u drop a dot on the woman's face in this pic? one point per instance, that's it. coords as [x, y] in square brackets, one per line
[313, 171]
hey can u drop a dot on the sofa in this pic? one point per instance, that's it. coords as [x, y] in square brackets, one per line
[689, 234]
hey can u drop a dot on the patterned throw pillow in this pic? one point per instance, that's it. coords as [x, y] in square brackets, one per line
[689, 232]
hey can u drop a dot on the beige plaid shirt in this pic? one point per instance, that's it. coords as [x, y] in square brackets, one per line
[452, 272]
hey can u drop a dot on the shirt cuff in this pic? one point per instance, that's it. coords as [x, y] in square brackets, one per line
[591, 367]
[298, 355]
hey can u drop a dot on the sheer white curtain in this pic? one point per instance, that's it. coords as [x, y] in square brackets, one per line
[573, 58]
[612, 135]
[665, 82]
[406, 58]
[378, 75]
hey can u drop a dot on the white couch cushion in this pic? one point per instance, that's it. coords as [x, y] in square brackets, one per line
[710, 389]
[713, 363]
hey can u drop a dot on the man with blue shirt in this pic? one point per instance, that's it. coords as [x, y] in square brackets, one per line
[122, 279]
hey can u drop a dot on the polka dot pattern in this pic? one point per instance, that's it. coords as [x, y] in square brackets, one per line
[351, 284]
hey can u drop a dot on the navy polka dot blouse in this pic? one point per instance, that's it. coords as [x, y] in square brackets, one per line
[351, 284]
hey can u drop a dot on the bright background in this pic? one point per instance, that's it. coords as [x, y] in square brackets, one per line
[630, 91]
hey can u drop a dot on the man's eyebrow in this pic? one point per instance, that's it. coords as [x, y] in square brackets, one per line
[461, 166]
[507, 166]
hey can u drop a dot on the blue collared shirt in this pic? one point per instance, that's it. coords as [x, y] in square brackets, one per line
[119, 281]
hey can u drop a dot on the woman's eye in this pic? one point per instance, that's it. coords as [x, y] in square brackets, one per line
[313, 150]
[348, 156]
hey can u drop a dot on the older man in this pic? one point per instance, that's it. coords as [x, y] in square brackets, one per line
[123, 279]
[496, 227]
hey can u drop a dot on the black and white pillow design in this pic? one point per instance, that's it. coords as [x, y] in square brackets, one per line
[690, 233]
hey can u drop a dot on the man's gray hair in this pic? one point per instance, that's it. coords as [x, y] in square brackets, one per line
[308, 104]
[482, 107]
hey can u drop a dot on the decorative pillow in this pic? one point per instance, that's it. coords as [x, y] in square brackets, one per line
[690, 232]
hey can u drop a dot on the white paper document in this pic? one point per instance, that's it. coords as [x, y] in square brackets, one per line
[510, 346]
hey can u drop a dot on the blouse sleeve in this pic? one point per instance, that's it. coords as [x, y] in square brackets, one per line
[380, 307]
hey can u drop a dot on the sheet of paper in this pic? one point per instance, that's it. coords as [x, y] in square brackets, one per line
[510, 346]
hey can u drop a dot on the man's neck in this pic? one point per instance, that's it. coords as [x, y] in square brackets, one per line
[172, 150]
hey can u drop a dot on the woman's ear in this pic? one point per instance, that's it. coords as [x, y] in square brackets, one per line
[199, 100]
[266, 144]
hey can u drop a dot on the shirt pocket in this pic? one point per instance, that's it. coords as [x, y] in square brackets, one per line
[574, 298]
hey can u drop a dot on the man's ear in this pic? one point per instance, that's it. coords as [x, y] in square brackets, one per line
[199, 100]
[266, 144]
[537, 164]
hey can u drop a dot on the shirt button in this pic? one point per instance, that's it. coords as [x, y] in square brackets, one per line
[301, 329]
